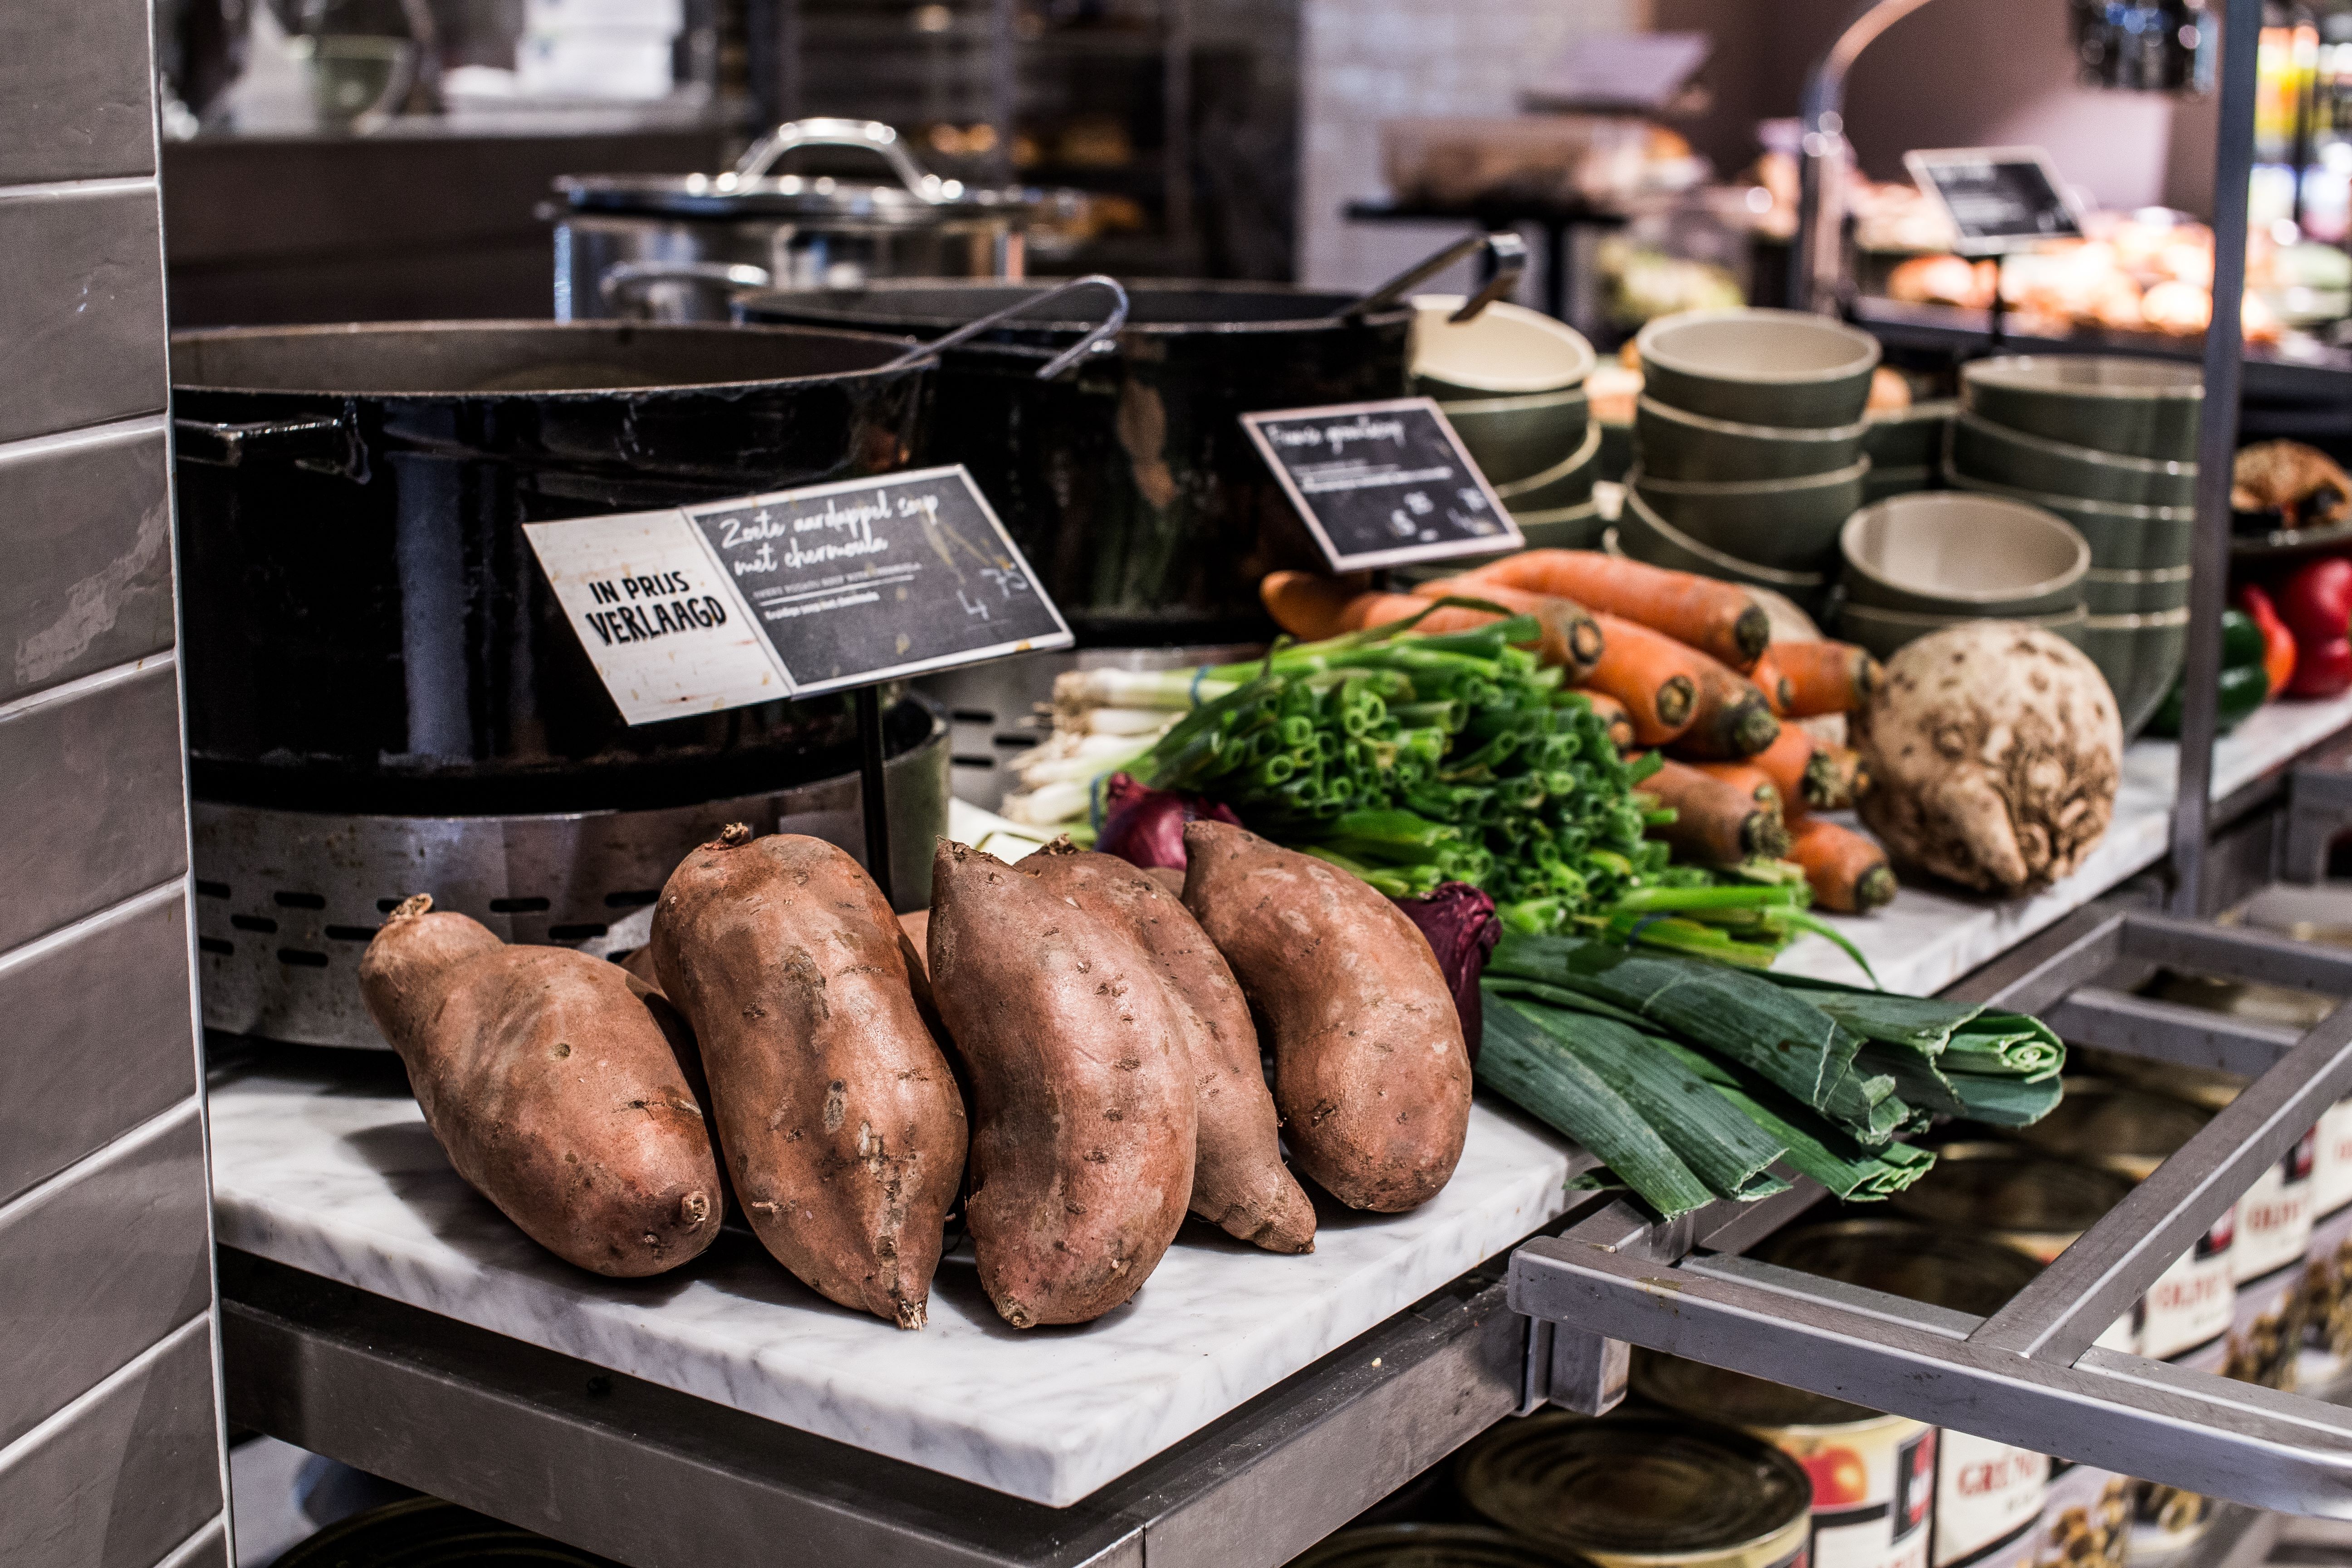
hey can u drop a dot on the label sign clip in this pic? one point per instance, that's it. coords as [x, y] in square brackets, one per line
[1383, 484]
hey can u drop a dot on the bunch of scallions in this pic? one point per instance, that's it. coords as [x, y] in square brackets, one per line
[1413, 761]
[1694, 1081]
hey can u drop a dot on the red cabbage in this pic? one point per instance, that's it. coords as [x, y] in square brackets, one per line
[1460, 923]
[1145, 827]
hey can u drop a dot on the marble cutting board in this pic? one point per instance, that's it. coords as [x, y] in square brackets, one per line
[335, 1172]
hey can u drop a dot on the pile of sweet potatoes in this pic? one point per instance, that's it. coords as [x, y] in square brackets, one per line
[1074, 1055]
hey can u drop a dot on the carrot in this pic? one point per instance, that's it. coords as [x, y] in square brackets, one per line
[1305, 604]
[1848, 872]
[1653, 676]
[1807, 776]
[1571, 637]
[1847, 780]
[1715, 823]
[1766, 677]
[1714, 617]
[1613, 712]
[1751, 780]
[1825, 676]
[1730, 719]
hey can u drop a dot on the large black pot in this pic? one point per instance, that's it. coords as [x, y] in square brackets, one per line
[1129, 483]
[365, 628]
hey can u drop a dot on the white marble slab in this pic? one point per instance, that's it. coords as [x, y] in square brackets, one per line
[339, 1177]
[1934, 932]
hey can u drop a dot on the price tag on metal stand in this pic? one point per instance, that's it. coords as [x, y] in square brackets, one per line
[1383, 484]
[837, 587]
[1999, 198]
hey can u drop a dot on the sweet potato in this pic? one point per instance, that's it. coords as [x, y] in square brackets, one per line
[1370, 1070]
[1239, 1183]
[554, 1086]
[837, 1116]
[1083, 1121]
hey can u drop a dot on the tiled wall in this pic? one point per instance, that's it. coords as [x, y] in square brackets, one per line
[109, 1415]
[1370, 60]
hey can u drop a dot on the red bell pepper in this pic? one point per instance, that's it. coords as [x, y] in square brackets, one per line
[2315, 603]
[2278, 643]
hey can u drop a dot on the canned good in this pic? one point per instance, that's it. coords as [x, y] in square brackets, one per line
[2030, 1201]
[2204, 1087]
[2087, 1519]
[1429, 1546]
[1874, 1475]
[1642, 1492]
[2327, 1270]
[2274, 1231]
[1988, 1496]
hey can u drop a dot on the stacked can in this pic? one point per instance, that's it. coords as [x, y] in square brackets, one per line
[2327, 1301]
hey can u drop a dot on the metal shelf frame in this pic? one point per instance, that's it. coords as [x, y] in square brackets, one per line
[2028, 1374]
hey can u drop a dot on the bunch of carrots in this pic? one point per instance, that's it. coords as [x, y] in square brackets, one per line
[1679, 664]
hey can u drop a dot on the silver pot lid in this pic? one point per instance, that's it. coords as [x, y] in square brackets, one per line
[915, 199]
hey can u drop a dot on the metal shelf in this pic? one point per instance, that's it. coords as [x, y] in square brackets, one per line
[2030, 1375]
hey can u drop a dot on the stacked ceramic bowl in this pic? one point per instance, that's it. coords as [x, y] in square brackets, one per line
[2107, 444]
[1906, 448]
[1918, 562]
[1511, 381]
[1748, 447]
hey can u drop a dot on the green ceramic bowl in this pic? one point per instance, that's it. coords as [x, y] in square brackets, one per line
[1616, 449]
[1884, 631]
[1909, 438]
[1674, 445]
[1760, 367]
[1565, 484]
[2139, 407]
[1944, 553]
[2121, 537]
[1513, 438]
[1789, 524]
[1641, 535]
[1983, 450]
[2107, 591]
[2141, 656]
[1884, 482]
[1503, 350]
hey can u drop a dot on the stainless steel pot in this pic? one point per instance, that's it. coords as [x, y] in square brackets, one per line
[668, 248]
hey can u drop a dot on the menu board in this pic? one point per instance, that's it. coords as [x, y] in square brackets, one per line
[1999, 198]
[795, 594]
[1383, 484]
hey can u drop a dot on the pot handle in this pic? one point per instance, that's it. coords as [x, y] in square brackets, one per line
[305, 441]
[1098, 341]
[870, 135]
[1510, 257]
[623, 278]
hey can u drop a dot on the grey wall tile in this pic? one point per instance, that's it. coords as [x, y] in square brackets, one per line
[208, 1548]
[88, 523]
[95, 1039]
[123, 1478]
[101, 1263]
[91, 795]
[83, 313]
[73, 100]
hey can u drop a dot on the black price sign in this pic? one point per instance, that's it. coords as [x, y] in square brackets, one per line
[1999, 198]
[874, 579]
[1383, 484]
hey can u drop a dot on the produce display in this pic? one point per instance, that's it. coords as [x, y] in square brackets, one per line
[560, 1087]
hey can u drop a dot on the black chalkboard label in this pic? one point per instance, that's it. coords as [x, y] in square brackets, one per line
[1999, 198]
[872, 579]
[1383, 484]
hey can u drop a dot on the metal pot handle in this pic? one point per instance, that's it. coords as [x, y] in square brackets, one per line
[870, 135]
[305, 441]
[1510, 257]
[623, 278]
[1098, 341]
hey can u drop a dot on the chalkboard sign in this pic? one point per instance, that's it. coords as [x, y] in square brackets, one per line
[875, 579]
[793, 594]
[1999, 198]
[1383, 484]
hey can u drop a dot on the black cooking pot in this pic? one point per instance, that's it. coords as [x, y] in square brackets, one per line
[366, 627]
[1130, 484]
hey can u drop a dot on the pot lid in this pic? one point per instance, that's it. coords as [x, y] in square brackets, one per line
[914, 198]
